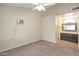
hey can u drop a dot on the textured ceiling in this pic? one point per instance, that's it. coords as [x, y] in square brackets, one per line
[25, 5]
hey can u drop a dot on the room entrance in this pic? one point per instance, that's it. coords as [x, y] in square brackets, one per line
[67, 29]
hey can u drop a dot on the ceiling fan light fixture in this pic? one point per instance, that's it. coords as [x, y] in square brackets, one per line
[39, 8]
[42, 7]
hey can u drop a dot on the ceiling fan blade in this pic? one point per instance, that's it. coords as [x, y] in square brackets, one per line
[35, 3]
[39, 8]
[42, 7]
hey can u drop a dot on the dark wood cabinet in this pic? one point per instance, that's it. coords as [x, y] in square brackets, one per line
[69, 37]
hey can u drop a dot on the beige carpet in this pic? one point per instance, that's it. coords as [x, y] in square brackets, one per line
[41, 48]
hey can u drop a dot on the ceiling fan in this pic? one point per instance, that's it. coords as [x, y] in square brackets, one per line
[42, 6]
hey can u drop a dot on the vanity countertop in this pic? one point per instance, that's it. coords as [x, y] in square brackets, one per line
[69, 32]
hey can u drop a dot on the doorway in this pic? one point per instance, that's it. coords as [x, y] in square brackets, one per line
[65, 19]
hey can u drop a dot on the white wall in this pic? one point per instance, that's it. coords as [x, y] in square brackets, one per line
[26, 33]
[48, 28]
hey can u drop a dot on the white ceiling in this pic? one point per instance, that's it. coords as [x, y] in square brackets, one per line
[25, 5]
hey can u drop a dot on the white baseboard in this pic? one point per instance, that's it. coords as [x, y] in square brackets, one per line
[19, 45]
[49, 40]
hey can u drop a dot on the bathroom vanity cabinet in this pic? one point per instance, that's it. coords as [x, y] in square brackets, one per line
[69, 37]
